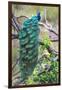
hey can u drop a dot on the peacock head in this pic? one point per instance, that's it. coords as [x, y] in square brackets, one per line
[38, 15]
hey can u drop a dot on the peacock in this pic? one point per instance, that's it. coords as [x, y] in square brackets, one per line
[29, 42]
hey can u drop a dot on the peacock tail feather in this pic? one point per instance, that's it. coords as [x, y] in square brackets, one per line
[28, 40]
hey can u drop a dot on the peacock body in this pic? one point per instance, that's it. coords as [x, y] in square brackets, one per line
[28, 39]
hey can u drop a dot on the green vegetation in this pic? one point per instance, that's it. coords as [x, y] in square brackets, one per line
[46, 71]
[44, 76]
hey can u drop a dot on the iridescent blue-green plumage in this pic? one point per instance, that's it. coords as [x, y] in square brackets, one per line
[28, 39]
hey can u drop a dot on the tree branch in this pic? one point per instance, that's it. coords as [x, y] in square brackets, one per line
[54, 40]
[23, 16]
[48, 28]
[41, 43]
[15, 63]
[14, 36]
[15, 22]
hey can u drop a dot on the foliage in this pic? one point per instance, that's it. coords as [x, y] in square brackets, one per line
[41, 75]
[46, 41]
[46, 71]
